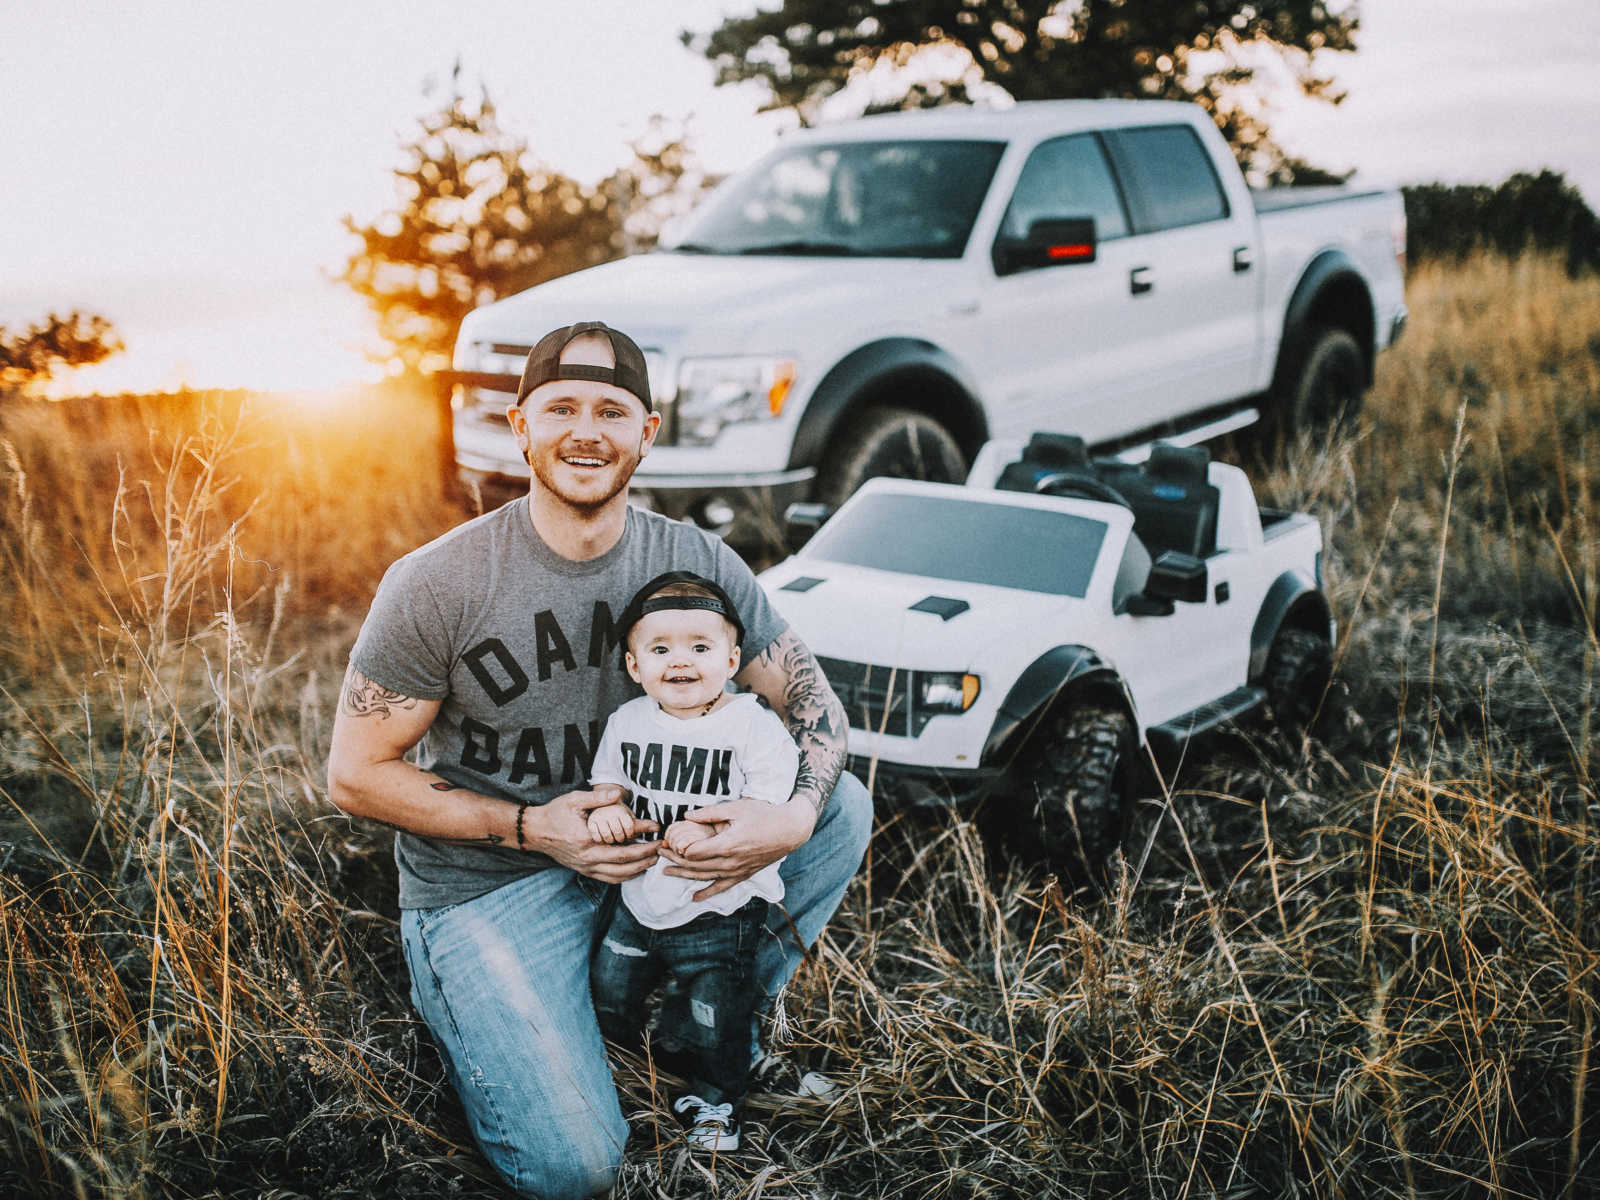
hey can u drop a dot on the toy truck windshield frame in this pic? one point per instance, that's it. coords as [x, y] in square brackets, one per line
[1031, 549]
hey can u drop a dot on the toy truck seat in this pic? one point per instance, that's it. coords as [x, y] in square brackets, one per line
[1175, 505]
[1045, 455]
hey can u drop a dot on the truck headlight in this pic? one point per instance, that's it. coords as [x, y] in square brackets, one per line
[716, 392]
[945, 692]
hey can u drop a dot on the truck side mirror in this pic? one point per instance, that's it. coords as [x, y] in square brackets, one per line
[1177, 576]
[1050, 242]
[1174, 576]
[802, 520]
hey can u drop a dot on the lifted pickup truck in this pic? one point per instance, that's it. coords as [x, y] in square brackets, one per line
[882, 296]
[1021, 637]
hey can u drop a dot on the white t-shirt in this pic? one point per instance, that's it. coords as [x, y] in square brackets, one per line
[671, 766]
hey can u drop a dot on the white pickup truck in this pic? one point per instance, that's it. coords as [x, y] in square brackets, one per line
[1016, 640]
[883, 296]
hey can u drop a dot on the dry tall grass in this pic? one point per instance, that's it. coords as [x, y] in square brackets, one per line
[1359, 967]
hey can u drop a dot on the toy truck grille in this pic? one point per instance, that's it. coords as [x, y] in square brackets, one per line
[876, 699]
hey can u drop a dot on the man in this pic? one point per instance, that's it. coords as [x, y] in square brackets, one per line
[494, 649]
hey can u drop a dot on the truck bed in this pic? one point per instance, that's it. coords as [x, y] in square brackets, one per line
[1269, 200]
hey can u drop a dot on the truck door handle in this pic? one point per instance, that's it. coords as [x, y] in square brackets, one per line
[1139, 281]
[1243, 260]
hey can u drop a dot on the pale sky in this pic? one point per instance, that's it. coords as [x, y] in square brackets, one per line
[182, 169]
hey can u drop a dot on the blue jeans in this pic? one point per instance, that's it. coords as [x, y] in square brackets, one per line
[712, 960]
[502, 981]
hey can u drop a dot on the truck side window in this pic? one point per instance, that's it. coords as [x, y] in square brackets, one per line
[1172, 176]
[1067, 177]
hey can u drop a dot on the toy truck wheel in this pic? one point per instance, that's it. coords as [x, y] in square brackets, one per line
[1299, 669]
[889, 441]
[1327, 392]
[1080, 788]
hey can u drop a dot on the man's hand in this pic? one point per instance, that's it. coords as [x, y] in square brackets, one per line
[561, 830]
[680, 835]
[748, 835]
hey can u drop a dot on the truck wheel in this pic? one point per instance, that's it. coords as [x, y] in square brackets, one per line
[888, 441]
[1327, 393]
[1299, 669]
[1080, 786]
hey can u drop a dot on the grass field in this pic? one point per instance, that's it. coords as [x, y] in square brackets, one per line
[1362, 966]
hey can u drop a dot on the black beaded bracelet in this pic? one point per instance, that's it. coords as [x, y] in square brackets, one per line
[522, 809]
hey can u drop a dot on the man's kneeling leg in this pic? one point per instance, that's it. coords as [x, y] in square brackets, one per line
[814, 881]
[503, 983]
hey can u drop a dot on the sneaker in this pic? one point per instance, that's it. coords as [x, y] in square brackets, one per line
[778, 1076]
[711, 1126]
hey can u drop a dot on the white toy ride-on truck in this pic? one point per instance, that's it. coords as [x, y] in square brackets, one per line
[1027, 635]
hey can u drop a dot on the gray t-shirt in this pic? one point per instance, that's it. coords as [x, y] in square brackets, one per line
[520, 646]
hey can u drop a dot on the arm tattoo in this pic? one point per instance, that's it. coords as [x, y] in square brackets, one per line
[362, 697]
[813, 715]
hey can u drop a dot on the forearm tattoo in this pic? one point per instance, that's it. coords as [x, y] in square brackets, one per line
[813, 715]
[363, 698]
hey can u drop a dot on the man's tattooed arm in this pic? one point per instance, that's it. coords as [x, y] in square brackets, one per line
[362, 697]
[786, 674]
[487, 839]
[368, 775]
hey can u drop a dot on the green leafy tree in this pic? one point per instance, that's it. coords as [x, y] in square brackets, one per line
[1541, 212]
[30, 358]
[1227, 55]
[480, 218]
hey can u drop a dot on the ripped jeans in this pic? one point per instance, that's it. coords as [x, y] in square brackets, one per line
[503, 982]
[711, 999]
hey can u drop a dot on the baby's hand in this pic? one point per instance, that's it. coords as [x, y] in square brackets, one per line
[612, 824]
[681, 835]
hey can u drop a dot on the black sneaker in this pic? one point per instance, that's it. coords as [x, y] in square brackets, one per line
[711, 1126]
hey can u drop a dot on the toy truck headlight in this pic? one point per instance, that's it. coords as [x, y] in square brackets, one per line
[945, 692]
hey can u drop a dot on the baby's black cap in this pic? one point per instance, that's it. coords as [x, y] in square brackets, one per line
[645, 601]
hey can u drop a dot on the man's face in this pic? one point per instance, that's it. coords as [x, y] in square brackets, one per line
[583, 439]
[682, 657]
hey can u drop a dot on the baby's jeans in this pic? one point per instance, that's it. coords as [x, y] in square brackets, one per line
[710, 962]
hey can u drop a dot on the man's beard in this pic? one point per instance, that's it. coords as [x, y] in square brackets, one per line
[623, 469]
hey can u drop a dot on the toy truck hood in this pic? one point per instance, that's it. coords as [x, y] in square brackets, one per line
[655, 292]
[864, 615]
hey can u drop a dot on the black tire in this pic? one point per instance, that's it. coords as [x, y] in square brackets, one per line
[1327, 392]
[1079, 784]
[888, 441]
[1299, 669]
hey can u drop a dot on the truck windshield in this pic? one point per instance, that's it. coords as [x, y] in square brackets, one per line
[1001, 545]
[915, 199]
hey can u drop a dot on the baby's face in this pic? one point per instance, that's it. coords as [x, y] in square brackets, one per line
[683, 657]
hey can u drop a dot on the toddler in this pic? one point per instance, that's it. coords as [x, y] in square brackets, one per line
[687, 742]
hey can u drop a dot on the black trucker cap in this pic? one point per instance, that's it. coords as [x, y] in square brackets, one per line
[646, 601]
[544, 362]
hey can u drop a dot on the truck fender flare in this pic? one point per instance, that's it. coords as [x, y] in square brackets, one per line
[1294, 600]
[1040, 683]
[1331, 291]
[919, 374]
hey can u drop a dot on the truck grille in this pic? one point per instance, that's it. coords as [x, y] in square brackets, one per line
[876, 699]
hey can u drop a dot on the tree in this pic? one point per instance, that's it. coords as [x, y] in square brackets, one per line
[479, 218]
[1541, 212]
[1224, 54]
[30, 358]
